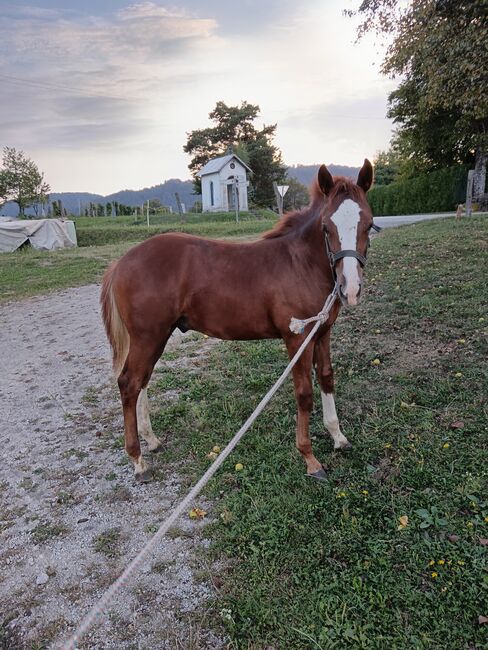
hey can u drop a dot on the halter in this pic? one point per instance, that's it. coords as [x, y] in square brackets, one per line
[335, 257]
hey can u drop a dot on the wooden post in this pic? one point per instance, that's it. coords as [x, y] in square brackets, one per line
[469, 193]
[180, 207]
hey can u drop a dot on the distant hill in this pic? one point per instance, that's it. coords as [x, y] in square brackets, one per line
[306, 173]
[165, 192]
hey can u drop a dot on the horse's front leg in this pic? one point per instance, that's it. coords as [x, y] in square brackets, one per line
[325, 377]
[302, 379]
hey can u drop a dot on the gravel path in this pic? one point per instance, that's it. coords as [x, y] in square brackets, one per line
[71, 515]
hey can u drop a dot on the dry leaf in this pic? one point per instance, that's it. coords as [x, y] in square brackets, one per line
[226, 516]
[453, 538]
[196, 513]
[484, 541]
[403, 521]
[457, 424]
[482, 620]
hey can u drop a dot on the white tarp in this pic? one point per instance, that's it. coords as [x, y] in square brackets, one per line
[43, 234]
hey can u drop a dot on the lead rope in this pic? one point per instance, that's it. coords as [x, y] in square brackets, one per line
[98, 609]
[297, 325]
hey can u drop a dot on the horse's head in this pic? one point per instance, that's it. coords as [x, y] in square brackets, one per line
[346, 220]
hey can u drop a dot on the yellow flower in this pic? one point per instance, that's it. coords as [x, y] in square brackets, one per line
[441, 561]
[461, 562]
[341, 495]
[470, 524]
[376, 362]
[365, 492]
[216, 449]
[403, 522]
[461, 340]
[434, 574]
[458, 374]
[486, 520]
[388, 445]
[446, 445]
[431, 563]
[239, 467]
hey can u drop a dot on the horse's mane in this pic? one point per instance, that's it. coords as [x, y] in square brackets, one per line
[294, 221]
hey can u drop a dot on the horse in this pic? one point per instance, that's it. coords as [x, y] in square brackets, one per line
[241, 291]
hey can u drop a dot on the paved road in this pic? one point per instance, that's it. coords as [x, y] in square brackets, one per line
[401, 220]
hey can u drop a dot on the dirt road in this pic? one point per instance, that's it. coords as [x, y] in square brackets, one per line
[71, 515]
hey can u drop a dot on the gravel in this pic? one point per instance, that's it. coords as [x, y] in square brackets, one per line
[71, 514]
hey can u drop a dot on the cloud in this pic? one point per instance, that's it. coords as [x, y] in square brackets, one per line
[84, 77]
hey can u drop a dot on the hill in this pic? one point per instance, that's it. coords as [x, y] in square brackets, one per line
[306, 173]
[165, 192]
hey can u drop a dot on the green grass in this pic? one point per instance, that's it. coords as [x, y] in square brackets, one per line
[325, 565]
[27, 272]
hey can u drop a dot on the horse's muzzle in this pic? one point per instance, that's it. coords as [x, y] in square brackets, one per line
[349, 298]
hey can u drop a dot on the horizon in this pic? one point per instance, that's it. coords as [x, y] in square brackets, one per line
[106, 91]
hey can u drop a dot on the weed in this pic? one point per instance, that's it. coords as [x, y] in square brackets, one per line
[108, 542]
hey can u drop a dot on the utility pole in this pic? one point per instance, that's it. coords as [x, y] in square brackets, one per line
[147, 213]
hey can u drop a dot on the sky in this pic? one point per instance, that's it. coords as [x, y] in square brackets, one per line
[101, 93]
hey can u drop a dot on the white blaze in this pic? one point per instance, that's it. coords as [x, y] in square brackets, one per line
[346, 220]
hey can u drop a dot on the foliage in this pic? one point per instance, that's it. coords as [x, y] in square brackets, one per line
[386, 167]
[437, 191]
[297, 195]
[21, 181]
[234, 129]
[439, 50]
[331, 565]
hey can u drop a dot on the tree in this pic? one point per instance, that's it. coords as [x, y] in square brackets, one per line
[441, 104]
[21, 181]
[387, 165]
[297, 195]
[234, 130]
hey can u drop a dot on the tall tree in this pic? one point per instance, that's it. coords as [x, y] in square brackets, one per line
[234, 128]
[439, 47]
[21, 181]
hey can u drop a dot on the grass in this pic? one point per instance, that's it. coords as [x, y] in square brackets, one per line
[332, 565]
[27, 272]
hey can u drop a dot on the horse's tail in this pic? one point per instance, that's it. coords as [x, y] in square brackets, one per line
[117, 333]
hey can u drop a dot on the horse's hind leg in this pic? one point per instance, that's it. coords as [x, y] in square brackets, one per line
[133, 378]
[325, 377]
[144, 426]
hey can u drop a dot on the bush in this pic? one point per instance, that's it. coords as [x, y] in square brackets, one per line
[93, 236]
[438, 191]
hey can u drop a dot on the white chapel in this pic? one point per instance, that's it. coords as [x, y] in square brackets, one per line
[224, 184]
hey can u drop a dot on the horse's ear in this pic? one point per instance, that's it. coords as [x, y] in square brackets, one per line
[365, 177]
[326, 182]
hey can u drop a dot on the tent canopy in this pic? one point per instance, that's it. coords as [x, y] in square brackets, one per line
[42, 234]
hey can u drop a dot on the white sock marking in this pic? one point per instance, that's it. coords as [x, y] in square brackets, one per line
[331, 421]
[144, 426]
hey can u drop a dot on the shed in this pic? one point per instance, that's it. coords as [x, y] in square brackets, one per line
[224, 184]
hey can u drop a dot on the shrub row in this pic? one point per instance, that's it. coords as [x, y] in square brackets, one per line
[438, 191]
[99, 236]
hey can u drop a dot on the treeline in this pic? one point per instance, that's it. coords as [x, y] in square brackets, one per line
[438, 191]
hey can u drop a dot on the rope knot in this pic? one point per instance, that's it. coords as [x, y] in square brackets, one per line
[297, 325]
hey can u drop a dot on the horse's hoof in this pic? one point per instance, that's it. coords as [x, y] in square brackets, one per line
[319, 475]
[347, 447]
[145, 476]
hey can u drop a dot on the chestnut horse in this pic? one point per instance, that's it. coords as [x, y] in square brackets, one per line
[240, 291]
